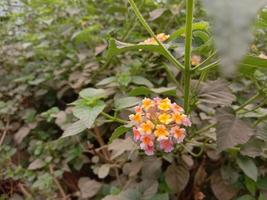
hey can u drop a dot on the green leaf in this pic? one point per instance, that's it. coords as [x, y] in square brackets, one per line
[196, 26]
[88, 114]
[85, 35]
[261, 196]
[106, 81]
[92, 93]
[74, 129]
[164, 196]
[118, 132]
[251, 63]
[248, 167]
[140, 91]
[117, 47]
[246, 197]
[262, 183]
[126, 102]
[139, 80]
[250, 185]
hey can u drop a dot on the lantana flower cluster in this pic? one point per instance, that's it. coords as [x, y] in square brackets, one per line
[161, 37]
[158, 124]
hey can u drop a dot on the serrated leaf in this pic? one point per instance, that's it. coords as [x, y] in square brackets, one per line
[88, 114]
[231, 27]
[118, 132]
[231, 131]
[248, 167]
[177, 177]
[74, 129]
[126, 102]
[216, 93]
[92, 93]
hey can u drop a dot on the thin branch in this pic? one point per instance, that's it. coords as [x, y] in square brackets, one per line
[60, 188]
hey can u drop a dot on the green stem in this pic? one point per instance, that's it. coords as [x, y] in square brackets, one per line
[188, 46]
[248, 102]
[168, 55]
[204, 63]
[209, 66]
[115, 119]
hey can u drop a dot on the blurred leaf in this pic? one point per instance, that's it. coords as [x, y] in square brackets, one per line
[36, 164]
[119, 146]
[118, 132]
[139, 80]
[250, 185]
[232, 42]
[117, 47]
[21, 134]
[177, 177]
[246, 197]
[164, 196]
[140, 91]
[248, 167]
[88, 114]
[252, 148]
[74, 129]
[106, 81]
[126, 102]
[90, 93]
[85, 35]
[103, 171]
[88, 187]
[231, 131]
[250, 63]
[216, 93]
[196, 26]
[222, 189]
[156, 13]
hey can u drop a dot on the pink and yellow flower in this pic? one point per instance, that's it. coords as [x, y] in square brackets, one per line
[178, 133]
[137, 134]
[137, 118]
[166, 145]
[165, 104]
[161, 132]
[165, 118]
[177, 117]
[147, 103]
[158, 124]
[146, 127]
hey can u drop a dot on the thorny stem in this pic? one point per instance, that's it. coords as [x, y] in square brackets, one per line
[169, 56]
[188, 46]
[115, 119]
[248, 102]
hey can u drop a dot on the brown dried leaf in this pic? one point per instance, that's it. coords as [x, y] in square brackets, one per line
[88, 187]
[21, 134]
[177, 177]
[36, 164]
[231, 131]
[119, 146]
[103, 171]
[221, 189]
[156, 13]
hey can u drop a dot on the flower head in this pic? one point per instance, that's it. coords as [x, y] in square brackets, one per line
[166, 145]
[158, 124]
[161, 132]
[162, 37]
